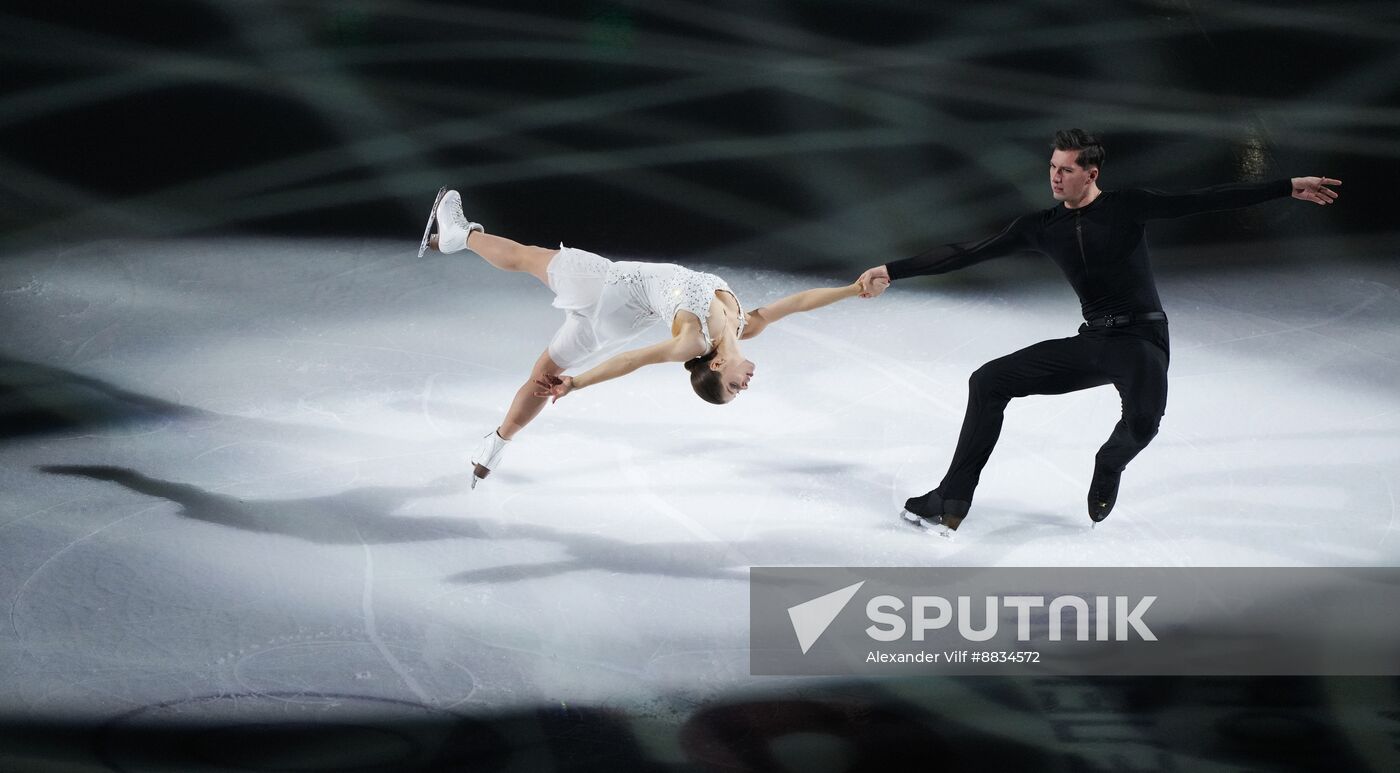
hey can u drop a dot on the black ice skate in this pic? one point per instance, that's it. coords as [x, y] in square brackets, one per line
[1103, 492]
[932, 511]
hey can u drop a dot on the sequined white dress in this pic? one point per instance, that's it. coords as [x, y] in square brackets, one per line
[607, 303]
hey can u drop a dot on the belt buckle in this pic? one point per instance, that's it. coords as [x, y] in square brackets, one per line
[1111, 321]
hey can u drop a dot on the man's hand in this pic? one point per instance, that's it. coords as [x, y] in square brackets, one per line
[554, 386]
[1315, 189]
[874, 281]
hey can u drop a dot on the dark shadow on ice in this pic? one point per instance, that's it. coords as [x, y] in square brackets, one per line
[714, 560]
[1030, 523]
[366, 516]
[39, 399]
[357, 516]
[764, 466]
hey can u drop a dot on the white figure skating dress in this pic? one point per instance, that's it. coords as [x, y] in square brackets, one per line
[607, 303]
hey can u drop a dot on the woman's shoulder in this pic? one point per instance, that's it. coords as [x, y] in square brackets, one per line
[687, 322]
[689, 342]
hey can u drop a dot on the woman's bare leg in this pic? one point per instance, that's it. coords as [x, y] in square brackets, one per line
[509, 255]
[525, 407]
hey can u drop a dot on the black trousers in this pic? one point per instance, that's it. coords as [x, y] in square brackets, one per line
[1132, 358]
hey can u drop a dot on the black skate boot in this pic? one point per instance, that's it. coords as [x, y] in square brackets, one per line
[1103, 492]
[932, 510]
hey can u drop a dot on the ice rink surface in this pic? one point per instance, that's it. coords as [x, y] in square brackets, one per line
[236, 469]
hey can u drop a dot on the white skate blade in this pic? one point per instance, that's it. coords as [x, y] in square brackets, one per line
[927, 526]
[432, 220]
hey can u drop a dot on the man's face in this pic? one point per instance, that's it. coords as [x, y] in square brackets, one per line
[1068, 180]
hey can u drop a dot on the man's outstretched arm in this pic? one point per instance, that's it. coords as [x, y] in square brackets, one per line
[1146, 204]
[1017, 237]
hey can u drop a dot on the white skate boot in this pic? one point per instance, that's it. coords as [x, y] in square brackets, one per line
[453, 226]
[487, 456]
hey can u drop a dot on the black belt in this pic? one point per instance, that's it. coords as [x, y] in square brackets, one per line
[1120, 320]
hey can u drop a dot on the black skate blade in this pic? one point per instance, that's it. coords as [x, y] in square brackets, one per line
[432, 220]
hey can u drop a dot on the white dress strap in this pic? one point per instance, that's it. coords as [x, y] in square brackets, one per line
[698, 293]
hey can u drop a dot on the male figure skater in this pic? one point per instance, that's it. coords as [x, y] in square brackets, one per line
[1096, 238]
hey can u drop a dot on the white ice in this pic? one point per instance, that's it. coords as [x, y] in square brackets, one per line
[274, 500]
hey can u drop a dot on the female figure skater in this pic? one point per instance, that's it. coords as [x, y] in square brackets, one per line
[608, 302]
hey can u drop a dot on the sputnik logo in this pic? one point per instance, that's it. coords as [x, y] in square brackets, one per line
[810, 619]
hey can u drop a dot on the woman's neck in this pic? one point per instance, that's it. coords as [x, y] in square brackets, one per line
[727, 344]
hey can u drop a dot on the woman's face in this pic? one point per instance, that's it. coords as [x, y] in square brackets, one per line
[734, 375]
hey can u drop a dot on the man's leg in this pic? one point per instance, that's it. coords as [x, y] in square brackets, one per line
[1047, 368]
[1139, 371]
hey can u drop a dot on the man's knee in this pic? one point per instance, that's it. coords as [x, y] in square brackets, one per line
[986, 380]
[1143, 427]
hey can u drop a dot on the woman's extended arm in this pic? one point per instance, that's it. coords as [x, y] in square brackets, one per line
[677, 349]
[807, 300]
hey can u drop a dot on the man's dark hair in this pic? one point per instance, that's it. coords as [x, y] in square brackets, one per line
[1090, 149]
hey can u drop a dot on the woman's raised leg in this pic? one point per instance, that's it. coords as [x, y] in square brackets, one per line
[455, 231]
[509, 255]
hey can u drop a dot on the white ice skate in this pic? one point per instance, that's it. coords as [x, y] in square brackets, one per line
[487, 456]
[453, 227]
[432, 218]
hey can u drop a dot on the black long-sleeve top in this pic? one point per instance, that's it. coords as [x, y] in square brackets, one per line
[1101, 247]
